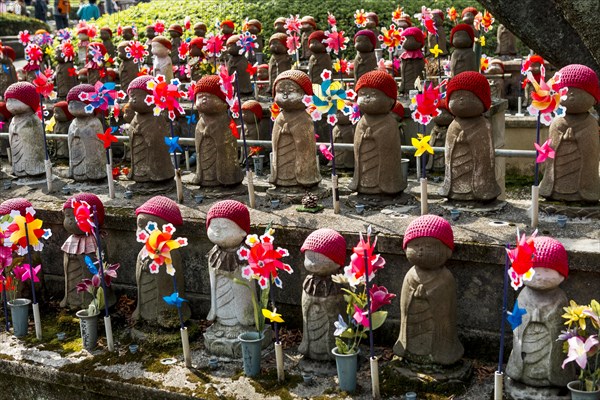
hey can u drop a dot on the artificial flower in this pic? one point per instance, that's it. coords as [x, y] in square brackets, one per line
[361, 317]
[159, 244]
[578, 350]
[544, 151]
[379, 297]
[273, 316]
[263, 260]
[107, 137]
[390, 38]
[165, 96]
[25, 273]
[546, 97]
[452, 14]
[574, 314]
[355, 271]
[422, 144]
[360, 18]
[515, 317]
[329, 97]
[341, 65]
[340, 326]
[8, 284]
[484, 64]
[174, 300]
[275, 110]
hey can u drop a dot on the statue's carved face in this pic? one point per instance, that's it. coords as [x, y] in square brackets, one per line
[277, 47]
[371, 23]
[200, 32]
[578, 101]
[306, 27]
[127, 34]
[122, 53]
[226, 30]
[59, 114]
[77, 109]
[363, 44]
[208, 103]
[461, 40]
[253, 29]
[465, 104]
[159, 50]
[137, 103]
[411, 43]
[15, 107]
[233, 49]
[195, 51]
[262, 74]
[289, 95]
[150, 33]
[225, 233]
[317, 46]
[174, 34]
[373, 101]
[444, 119]
[544, 279]
[104, 35]
[279, 27]
[319, 264]
[70, 223]
[427, 253]
[469, 18]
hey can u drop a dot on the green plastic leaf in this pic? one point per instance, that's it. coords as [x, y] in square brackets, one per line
[378, 318]
[347, 334]
[342, 347]
[242, 282]
[100, 298]
[357, 300]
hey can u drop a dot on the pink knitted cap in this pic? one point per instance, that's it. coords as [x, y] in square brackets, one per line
[430, 226]
[24, 92]
[75, 91]
[162, 207]
[327, 242]
[18, 203]
[141, 83]
[582, 77]
[91, 199]
[550, 253]
[231, 210]
[416, 32]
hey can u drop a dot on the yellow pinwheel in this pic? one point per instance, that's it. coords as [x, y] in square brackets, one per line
[422, 144]
[436, 51]
[272, 315]
[482, 40]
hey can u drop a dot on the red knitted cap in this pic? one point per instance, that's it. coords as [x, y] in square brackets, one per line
[99, 46]
[475, 83]
[9, 52]
[429, 226]
[164, 41]
[63, 105]
[414, 32]
[550, 253]
[4, 111]
[106, 29]
[228, 23]
[327, 242]
[582, 77]
[177, 28]
[24, 92]
[209, 84]
[18, 203]
[317, 35]
[301, 78]
[463, 27]
[282, 37]
[378, 80]
[232, 39]
[232, 210]
[368, 33]
[255, 23]
[200, 25]
[253, 106]
[263, 66]
[197, 42]
[472, 10]
[92, 200]
[141, 82]
[75, 91]
[373, 15]
[162, 207]
[398, 109]
[307, 19]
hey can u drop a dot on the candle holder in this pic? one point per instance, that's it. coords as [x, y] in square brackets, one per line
[213, 363]
[133, 348]
[360, 208]
[7, 185]
[61, 336]
[199, 198]
[455, 215]
[128, 194]
[66, 190]
[561, 221]
[275, 203]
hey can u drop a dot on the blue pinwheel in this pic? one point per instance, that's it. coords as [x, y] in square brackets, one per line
[173, 143]
[103, 97]
[329, 97]
[91, 265]
[174, 300]
[191, 119]
[515, 318]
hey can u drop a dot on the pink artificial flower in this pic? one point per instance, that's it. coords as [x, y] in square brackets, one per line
[335, 41]
[292, 43]
[544, 151]
[578, 350]
[379, 297]
[355, 272]
[361, 317]
[213, 45]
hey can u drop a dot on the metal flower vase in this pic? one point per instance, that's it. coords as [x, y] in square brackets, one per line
[19, 311]
[251, 343]
[89, 329]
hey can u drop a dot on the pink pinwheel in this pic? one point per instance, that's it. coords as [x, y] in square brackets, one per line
[247, 43]
[226, 82]
[67, 51]
[546, 97]
[391, 38]
[43, 85]
[102, 98]
[326, 151]
[293, 43]
[335, 41]
[331, 21]
[521, 259]
[165, 96]
[429, 24]
[24, 273]
[159, 26]
[380, 297]
[292, 25]
[158, 245]
[43, 39]
[183, 50]
[544, 151]
[355, 272]
[213, 46]
[263, 259]
[34, 54]
[424, 106]
[24, 38]
[83, 215]
[360, 18]
[137, 51]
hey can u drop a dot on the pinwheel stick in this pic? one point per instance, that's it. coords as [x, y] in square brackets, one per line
[334, 179]
[47, 162]
[36, 308]
[535, 190]
[109, 176]
[437, 41]
[5, 303]
[249, 175]
[498, 378]
[107, 321]
[278, 346]
[178, 183]
[373, 359]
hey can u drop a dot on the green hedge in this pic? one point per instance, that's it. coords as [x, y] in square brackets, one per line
[11, 24]
[267, 11]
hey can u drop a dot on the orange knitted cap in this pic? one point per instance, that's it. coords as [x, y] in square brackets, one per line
[282, 37]
[164, 41]
[317, 35]
[253, 106]
[471, 10]
[209, 84]
[301, 78]
[378, 80]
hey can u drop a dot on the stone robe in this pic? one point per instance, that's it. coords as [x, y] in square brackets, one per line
[150, 158]
[26, 140]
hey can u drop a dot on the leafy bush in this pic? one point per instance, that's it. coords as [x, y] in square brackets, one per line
[11, 24]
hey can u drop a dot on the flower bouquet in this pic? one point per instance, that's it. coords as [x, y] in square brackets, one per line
[581, 342]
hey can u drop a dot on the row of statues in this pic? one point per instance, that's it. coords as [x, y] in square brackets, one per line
[428, 300]
[469, 155]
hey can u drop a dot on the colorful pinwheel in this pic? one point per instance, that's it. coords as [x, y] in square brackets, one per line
[521, 259]
[391, 38]
[183, 49]
[63, 35]
[263, 259]
[67, 51]
[422, 144]
[187, 22]
[329, 97]
[165, 96]
[33, 55]
[18, 236]
[397, 14]
[515, 318]
[174, 300]
[137, 51]
[25, 272]
[355, 114]
[158, 246]
[544, 151]
[173, 143]
[83, 216]
[275, 111]
[424, 106]
[213, 45]
[107, 137]
[546, 97]
[486, 21]
[436, 51]
[293, 44]
[335, 40]
[341, 65]
[452, 14]
[292, 25]
[103, 97]
[43, 84]
[159, 26]
[484, 64]
[360, 18]
[24, 38]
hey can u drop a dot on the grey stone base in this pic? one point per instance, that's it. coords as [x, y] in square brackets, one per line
[152, 188]
[518, 391]
[221, 192]
[571, 211]
[294, 194]
[474, 207]
[221, 340]
[379, 201]
[443, 378]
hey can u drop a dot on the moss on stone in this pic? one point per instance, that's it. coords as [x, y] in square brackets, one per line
[267, 384]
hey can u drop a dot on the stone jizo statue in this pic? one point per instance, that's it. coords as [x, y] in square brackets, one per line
[506, 43]
[200, 29]
[413, 62]
[428, 332]
[63, 119]
[161, 50]
[343, 132]
[365, 43]
[308, 26]
[319, 59]
[8, 73]
[252, 113]
[438, 136]
[238, 64]
[439, 39]
[106, 36]
[463, 57]
[65, 79]
[128, 69]
[470, 163]
[280, 60]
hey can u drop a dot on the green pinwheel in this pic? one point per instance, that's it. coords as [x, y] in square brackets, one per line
[329, 97]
